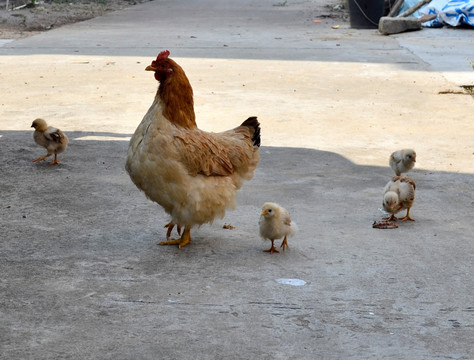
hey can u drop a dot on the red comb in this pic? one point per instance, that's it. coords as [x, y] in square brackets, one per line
[163, 55]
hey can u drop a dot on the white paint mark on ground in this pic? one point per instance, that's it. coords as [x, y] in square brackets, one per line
[292, 282]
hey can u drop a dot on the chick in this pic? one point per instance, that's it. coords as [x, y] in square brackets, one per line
[275, 223]
[53, 139]
[402, 161]
[399, 194]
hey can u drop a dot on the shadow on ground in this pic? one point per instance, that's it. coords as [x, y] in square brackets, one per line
[83, 278]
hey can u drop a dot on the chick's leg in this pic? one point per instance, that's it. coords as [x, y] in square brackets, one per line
[56, 161]
[184, 240]
[391, 218]
[284, 244]
[272, 249]
[407, 217]
[43, 157]
[170, 227]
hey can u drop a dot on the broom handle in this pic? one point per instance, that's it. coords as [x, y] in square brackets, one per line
[395, 8]
[414, 8]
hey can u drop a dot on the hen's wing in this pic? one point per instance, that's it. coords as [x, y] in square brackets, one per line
[201, 153]
[216, 154]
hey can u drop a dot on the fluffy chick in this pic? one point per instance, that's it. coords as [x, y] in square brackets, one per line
[402, 161]
[275, 223]
[53, 139]
[399, 194]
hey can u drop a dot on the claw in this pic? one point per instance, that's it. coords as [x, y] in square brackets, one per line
[272, 249]
[284, 244]
[170, 227]
[55, 161]
[184, 240]
[407, 217]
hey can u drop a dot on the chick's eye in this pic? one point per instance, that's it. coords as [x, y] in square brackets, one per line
[269, 210]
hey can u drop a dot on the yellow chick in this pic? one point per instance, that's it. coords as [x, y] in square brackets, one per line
[275, 223]
[53, 139]
[402, 161]
[399, 194]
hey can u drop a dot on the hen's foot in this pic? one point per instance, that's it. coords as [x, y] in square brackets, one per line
[170, 227]
[391, 218]
[272, 249]
[284, 244]
[184, 240]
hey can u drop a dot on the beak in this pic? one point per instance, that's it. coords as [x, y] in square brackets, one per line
[264, 212]
[150, 68]
[414, 159]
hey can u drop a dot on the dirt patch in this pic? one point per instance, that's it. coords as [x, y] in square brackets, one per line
[27, 17]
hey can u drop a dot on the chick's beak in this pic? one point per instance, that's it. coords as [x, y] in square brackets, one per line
[264, 212]
[150, 68]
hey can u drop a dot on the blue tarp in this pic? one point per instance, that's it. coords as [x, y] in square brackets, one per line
[450, 12]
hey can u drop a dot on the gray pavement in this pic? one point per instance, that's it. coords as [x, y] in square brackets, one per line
[82, 277]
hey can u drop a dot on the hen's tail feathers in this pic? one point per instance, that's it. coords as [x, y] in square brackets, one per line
[253, 123]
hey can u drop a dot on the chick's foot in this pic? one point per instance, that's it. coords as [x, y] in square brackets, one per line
[55, 161]
[407, 217]
[272, 249]
[391, 218]
[284, 244]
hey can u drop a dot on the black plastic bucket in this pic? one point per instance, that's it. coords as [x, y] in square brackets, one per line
[365, 14]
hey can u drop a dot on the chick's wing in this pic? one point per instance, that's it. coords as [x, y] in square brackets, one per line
[53, 134]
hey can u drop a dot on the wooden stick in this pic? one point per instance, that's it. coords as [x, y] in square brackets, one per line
[396, 7]
[414, 8]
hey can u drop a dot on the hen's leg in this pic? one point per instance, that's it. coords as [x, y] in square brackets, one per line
[390, 218]
[407, 217]
[184, 240]
[272, 249]
[43, 157]
[56, 161]
[284, 244]
[170, 227]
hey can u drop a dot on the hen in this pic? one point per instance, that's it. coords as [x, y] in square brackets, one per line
[275, 223]
[192, 174]
[53, 139]
[399, 194]
[402, 161]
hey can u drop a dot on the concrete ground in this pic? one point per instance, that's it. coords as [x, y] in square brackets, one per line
[82, 277]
